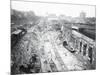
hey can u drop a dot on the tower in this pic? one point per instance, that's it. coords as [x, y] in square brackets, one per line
[82, 15]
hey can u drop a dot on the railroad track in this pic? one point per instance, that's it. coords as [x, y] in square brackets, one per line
[58, 57]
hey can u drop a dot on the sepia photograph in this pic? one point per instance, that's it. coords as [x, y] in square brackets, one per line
[51, 37]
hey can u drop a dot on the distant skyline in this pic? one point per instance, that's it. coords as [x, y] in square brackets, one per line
[42, 9]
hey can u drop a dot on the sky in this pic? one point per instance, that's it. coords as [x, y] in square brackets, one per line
[42, 9]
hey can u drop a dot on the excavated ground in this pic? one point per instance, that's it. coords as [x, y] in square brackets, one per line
[43, 51]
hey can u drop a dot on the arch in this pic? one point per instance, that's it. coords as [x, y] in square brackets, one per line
[90, 50]
[84, 49]
[80, 46]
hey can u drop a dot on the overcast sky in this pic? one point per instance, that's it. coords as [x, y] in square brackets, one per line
[42, 9]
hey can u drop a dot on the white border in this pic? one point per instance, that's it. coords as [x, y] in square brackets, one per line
[5, 37]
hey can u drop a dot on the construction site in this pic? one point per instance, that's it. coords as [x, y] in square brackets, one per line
[51, 46]
[50, 37]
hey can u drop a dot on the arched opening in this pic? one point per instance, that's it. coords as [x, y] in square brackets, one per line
[90, 54]
[84, 49]
[80, 45]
